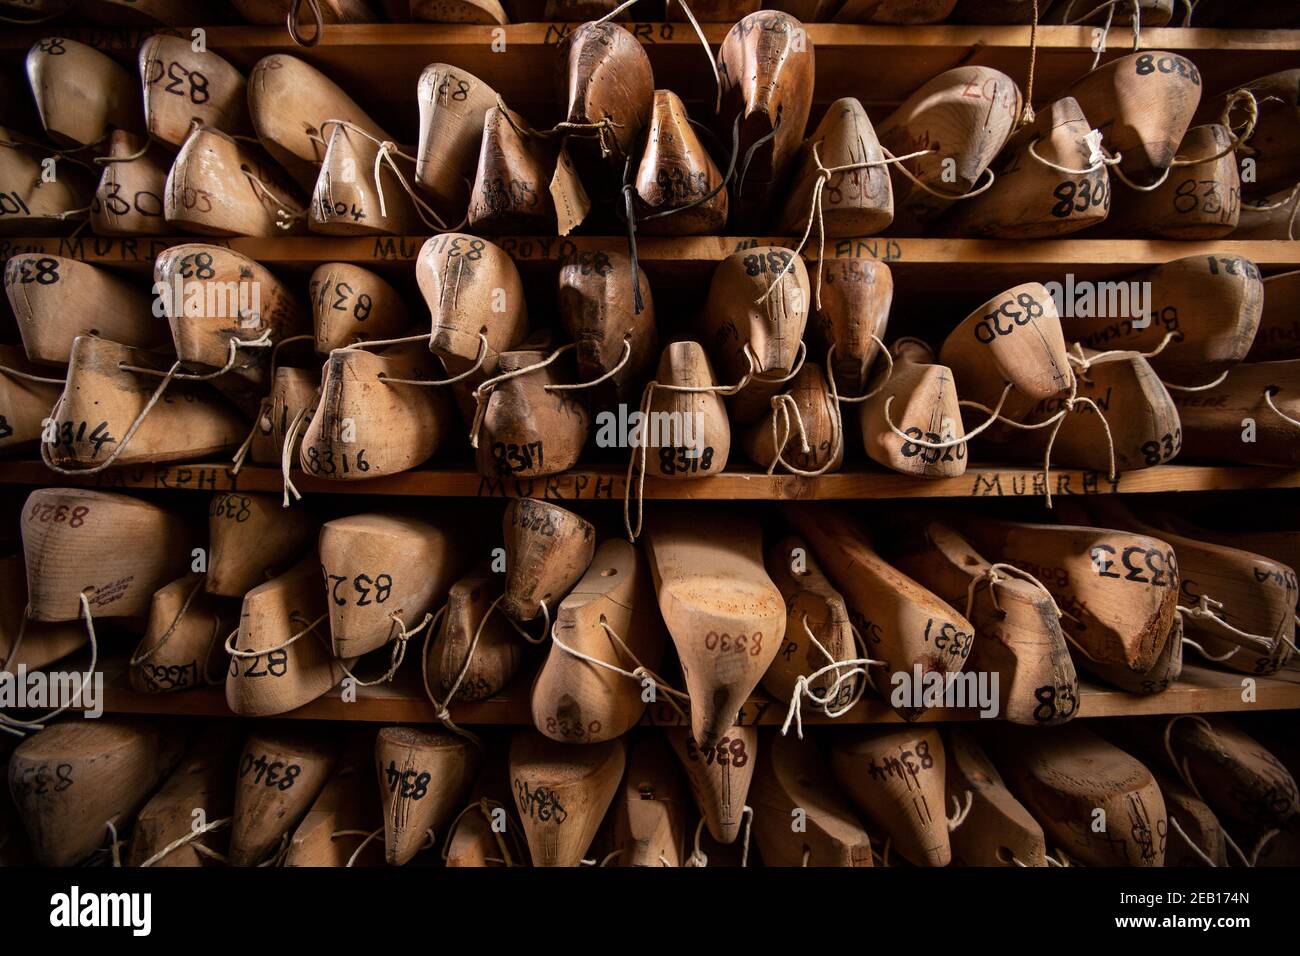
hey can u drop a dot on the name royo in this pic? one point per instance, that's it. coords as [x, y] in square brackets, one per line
[41, 690]
[1102, 300]
[624, 429]
[76, 909]
[955, 689]
[197, 296]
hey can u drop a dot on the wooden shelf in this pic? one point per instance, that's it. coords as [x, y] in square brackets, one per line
[970, 269]
[607, 484]
[881, 65]
[1200, 690]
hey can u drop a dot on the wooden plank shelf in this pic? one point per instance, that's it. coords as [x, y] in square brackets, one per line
[881, 65]
[1200, 690]
[607, 483]
[970, 268]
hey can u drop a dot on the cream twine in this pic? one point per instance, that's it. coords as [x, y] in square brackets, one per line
[483, 349]
[442, 713]
[1205, 857]
[626, 355]
[992, 576]
[398, 652]
[21, 728]
[889, 373]
[1109, 6]
[293, 639]
[387, 150]
[785, 405]
[190, 837]
[640, 674]
[291, 22]
[642, 446]
[47, 455]
[994, 416]
[699, 858]
[960, 813]
[261, 342]
[708, 53]
[286, 454]
[5, 369]
[823, 177]
[484, 390]
[485, 805]
[1205, 610]
[1268, 400]
[804, 683]
[1071, 404]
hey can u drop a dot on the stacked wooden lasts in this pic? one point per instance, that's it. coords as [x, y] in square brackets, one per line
[229, 257]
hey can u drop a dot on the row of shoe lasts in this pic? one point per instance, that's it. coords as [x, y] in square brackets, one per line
[1213, 371]
[279, 605]
[478, 162]
[1181, 791]
[1151, 13]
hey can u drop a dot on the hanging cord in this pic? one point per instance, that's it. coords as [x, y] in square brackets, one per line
[485, 806]
[1206, 610]
[602, 131]
[1027, 113]
[646, 397]
[626, 355]
[139, 657]
[42, 379]
[294, 618]
[398, 653]
[699, 858]
[387, 150]
[21, 728]
[993, 575]
[295, 8]
[241, 454]
[483, 349]
[1098, 160]
[1185, 774]
[889, 373]
[1073, 403]
[804, 684]
[484, 390]
[1269, 392]
[824, 174]
[190, 837]
[47, 454]
[1205, 857]
[785, 405]
[994, 416]
[640, 674]
[263, 341]
[629, 206]
[441, 707]
[129, 158]
[286, 454]
[1109, 6]
[960, 813]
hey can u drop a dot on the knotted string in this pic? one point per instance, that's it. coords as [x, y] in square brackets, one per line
[291, 22]
[387, 150]
[485, 805]
[626, 355]
[140, 656]
[190, 837]
[823, 177]
[441, 707]
[47, 454]
[640, 674]
[484, 390]
[994, 416]
[785, 404]
[804, 684]
[398, 652]
[642, 446]
[992, 576]
[1109, 6]
[288, 642]
[261, 342]
[21, 728]
[286, 455]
